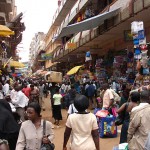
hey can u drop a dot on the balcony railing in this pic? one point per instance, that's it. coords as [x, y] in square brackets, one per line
[62, 11]
[88, 36]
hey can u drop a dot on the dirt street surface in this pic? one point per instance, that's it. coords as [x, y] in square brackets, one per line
[105, 144]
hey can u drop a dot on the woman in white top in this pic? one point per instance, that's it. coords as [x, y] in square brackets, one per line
[83, 126]
[57, 107]
[31, 132]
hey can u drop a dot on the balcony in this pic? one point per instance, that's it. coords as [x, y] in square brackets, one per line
[2, 18]
[62, 11]
[99, 37]
[71, 18]
[74, 14]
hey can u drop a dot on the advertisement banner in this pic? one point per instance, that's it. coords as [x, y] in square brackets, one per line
[46, 56]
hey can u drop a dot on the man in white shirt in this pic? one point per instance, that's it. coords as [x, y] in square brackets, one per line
[20, 101]
[6, 88]
[13, 93]
[108, 97]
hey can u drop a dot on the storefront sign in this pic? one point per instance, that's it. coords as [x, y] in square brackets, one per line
[127, 35]
[71, 45]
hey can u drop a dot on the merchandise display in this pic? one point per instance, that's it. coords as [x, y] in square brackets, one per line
[140, 54]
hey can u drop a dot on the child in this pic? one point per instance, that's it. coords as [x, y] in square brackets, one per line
[57, 107]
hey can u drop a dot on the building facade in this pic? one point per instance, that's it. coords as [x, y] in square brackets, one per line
[98, 26]
[37, 46]
[63, 10]
[9, 18]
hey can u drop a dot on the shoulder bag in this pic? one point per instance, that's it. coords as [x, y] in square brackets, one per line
[48, 146]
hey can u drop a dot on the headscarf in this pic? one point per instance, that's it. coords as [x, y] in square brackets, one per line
[8, 125]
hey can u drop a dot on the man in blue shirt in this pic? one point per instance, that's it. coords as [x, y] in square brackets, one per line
[90, 93]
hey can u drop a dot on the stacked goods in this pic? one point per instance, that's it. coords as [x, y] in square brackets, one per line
[140, 53]
[53, 76]
[106, 122]
[98, 66]
[119, 66]
[101, 74]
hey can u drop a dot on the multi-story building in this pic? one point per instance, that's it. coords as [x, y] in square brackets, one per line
[36, 47]
[98, 26]
[62, 11]
[9, 17]
[6, 9]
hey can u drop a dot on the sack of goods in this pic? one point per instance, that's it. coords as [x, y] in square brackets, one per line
[107, 127]
[106, 123]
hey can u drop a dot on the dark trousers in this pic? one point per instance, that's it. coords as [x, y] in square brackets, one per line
[124, 132]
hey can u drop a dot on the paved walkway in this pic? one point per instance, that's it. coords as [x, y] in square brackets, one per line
[105, 144]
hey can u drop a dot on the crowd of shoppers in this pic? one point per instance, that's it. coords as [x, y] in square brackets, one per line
[21, 104]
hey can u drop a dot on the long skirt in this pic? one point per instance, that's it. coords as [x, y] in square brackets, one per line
[57, 112]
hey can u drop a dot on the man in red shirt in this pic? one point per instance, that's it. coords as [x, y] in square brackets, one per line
[26, 90]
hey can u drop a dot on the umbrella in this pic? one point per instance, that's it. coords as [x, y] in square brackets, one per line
[5, 31]
[16, 64]
[74, 70]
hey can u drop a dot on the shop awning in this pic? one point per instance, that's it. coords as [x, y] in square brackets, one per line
[16, 64]
[88, 23]
[74, 70]
[5, 31]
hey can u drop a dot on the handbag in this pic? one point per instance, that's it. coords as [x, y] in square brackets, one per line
[120, 119]
[48, 146]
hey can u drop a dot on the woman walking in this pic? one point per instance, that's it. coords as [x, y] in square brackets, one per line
[126, 108]
[83, 126]
[57, 107]
[31, 132]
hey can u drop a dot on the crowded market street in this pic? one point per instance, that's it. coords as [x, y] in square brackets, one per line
[74, 75]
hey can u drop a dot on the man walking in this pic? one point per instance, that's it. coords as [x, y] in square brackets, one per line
[20, 101]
